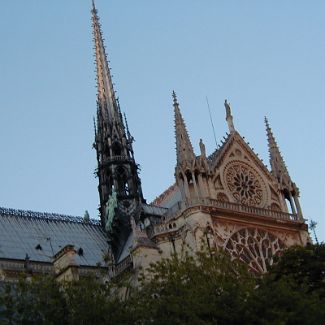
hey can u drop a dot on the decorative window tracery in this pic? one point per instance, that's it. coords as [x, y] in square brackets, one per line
[256, 247]
[244, 183]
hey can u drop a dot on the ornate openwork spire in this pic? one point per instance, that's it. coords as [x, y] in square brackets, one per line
[107, 103]
[119, 187]
[229, 117]
[184, 147]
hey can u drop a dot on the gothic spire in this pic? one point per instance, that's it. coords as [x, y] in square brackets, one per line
[107, 103]
[184, 147]
[229, 117]
[278, 166]
[117, 170]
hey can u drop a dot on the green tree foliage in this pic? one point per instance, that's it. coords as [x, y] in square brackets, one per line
[206, 288]
[292, 292]
[39, 301]
[305, 266]
[45, 301]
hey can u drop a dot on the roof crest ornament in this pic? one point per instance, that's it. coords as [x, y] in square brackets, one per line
[229, 117]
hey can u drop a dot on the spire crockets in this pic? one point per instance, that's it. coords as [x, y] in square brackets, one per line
[107, 103]
[191, 172]
[279, 170]
[184, 149]
[229, 117]
[117, 170]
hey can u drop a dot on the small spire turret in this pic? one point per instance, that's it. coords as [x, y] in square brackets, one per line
[278, 166]
[188, 169]
[184, 149]
[279, 169]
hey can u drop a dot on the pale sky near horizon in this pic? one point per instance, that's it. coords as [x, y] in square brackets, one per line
[265, 57]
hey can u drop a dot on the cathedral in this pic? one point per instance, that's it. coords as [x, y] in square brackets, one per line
[224, 200]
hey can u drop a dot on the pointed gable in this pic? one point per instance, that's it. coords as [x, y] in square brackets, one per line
[241, 177]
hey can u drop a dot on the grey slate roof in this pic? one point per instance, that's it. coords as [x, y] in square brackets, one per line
[41, 235]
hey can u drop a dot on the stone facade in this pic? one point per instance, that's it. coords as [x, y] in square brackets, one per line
[229, 200]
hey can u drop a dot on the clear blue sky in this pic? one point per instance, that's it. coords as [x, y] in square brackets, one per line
[265, 57]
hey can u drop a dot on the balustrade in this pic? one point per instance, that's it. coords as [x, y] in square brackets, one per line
[179, 207]
[123, 265]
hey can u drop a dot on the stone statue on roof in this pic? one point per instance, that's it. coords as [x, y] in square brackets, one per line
[110, 207]
[202, 148]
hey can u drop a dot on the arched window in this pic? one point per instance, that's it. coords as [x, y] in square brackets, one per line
[116, 148]
[122, 181]
[188, 175]
[289, 202]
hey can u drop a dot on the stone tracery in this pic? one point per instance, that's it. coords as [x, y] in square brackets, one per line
[245, 185]
[256, 247]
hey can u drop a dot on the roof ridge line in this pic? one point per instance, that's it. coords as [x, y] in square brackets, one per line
[45, 216]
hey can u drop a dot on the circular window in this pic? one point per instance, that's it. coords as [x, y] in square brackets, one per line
[245, 184]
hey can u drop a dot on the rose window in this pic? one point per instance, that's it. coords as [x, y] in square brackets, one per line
[245, 185]
[256, 247]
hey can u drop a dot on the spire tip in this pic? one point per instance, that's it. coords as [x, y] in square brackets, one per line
[174, 98]
[266, 121]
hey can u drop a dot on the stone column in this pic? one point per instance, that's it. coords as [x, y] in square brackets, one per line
[297, 203]
[195, 185]
[292, 205]
[186, 187]
[202, 186]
